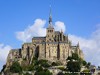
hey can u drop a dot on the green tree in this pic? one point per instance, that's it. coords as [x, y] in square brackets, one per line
[75, 56]
[4, 66]
[38, 68]
[74, 66]
[84, 63]
[88, 65]
[60, 73]
[54, 64]
[47, 72]
[15, 68]
[44, 63]
[30, 68]
[74, 63]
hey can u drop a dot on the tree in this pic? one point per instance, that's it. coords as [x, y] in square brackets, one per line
[75, 56]
[60, 73]
[44, 63]
[54, 64]
[4, 66]
[84, 63]
[30, 67]
[38, 68]
[88, 65]
[74, 63]
[15, 68]
[47, 72]
[74, 66]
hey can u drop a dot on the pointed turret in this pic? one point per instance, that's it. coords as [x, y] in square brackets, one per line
[78, 45]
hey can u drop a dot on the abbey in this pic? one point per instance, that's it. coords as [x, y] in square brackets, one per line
[55, 46]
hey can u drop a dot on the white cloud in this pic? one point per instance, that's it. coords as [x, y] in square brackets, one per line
[90, 46]
[37, 29]
[60, 26]
[4, 50]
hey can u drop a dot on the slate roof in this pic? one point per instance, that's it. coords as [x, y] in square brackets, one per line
[57, 32]
[39, 38]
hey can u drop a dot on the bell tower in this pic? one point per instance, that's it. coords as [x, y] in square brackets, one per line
[50, 30]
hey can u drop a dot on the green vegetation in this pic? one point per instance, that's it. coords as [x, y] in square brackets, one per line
[74, 63]
[4, 66]
[44, 63]
[88, 65]
[62, 68]
[71, 74]
[60, 73]
[40, 67]
[43, 72]
[28, 68]
[84, 63]
[15, 68]
[86, 72]
[54, 64]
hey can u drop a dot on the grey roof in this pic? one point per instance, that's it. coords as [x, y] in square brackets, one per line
[39, 38]
[73, 47]
[57, 32]
[40, 43]
[64, 42]
[52, 42]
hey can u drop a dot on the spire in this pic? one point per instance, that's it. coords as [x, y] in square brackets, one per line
[78, 44]
[50, 16]
[50, 19]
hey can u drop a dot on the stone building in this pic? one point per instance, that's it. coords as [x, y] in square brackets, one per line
[55, 46]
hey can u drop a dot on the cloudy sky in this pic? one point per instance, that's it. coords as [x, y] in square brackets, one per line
[20, 20]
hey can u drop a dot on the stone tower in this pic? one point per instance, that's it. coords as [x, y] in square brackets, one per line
[50, 30]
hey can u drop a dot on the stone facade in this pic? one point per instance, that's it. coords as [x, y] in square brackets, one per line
[55, 46]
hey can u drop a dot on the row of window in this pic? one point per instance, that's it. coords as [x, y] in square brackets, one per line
[50, 35]
[50, 30]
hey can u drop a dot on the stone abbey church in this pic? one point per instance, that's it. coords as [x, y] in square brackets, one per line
[55, 46]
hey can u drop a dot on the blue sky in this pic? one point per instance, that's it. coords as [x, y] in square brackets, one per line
[81, 17]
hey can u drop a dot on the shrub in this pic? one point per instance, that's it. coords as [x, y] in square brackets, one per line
[38, 68]
[15, 68]
[44, 63]
[62, 68]
[4, 66]
[54, 64]
[84, 63]
[60, 73]
[43, 73]
[85, 72]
